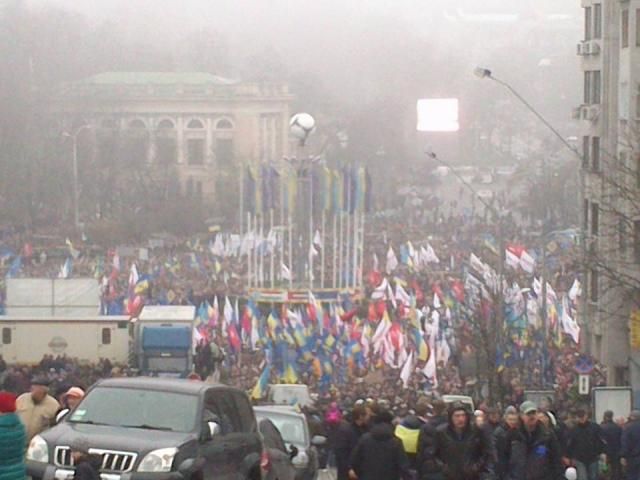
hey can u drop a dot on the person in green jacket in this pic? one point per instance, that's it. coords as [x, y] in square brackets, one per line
[12, 440]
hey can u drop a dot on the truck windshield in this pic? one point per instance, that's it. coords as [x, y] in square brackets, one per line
[168, 364]
[149, 409]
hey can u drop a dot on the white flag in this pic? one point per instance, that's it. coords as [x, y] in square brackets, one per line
[527, 263]
[285, 273]
[436, 301]
[217, 248]
[569, 325]
[511, 259]
[407, 368]
[317, 239]
[376, 264]
[392, 261]
[575, 291]
[381, 290]
[402, 296]
[476, 264]
[430, 255]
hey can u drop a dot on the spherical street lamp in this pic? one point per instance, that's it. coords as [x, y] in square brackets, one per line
[301, 126]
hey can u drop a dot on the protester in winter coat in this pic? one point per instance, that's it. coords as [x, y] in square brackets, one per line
[347, 437]
[631, 446]
[428, 468]
[503, 437]
[37, 409]
[379, 455]
[533, 451]
[408, 431]
[462, 451]
[12, 440]
[612, 436]
[584, 446]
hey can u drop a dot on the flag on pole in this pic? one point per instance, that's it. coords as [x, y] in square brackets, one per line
[575, 291]
[405, 373]
[527, 263]
[285, 273]
[392, 261]
[66, 269]
[511, 259]
[260, 388]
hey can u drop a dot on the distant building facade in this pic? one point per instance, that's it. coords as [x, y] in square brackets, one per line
[610, 119]
[190, 133]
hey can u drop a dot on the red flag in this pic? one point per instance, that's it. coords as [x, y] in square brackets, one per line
[246, 320]
[381, 307]
[234, 338]
[394, 335]
[457, 287]
[418, 291]
[348, 316]
[371, 314]
[374, 279]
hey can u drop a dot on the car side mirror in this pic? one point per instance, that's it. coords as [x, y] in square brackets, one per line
[318, 441]
[210, 430]
[190, 466]
[293, 452]
[62, 414]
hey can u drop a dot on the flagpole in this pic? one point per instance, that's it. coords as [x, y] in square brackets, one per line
[291, 268]
[310, 228]
[249, 272]
[282, 222]
[273, 247]
[334, 251]
[340, 244]
[255, 252]
[261, 251]
[241, 200]
[348, 246]
[355, 247]
[322, 251]
[360, 274]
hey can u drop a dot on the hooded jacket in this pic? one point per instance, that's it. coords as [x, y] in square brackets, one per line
[409, 432]
[12, 440]
[461, 456]
[427, 468]
[379, 455]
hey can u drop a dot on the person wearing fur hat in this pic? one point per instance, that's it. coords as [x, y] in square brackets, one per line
[12, 440]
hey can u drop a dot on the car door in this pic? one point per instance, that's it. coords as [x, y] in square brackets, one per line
[221, 451]
[280, 458]
[251, 444]
[232, 437]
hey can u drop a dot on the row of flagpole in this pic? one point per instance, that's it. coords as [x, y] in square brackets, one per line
[337, 235]
[338, 244]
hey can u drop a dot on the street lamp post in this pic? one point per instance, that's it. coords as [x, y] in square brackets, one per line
[76, 193]
[486, 73]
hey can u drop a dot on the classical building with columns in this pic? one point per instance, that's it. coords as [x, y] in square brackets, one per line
[190, 133]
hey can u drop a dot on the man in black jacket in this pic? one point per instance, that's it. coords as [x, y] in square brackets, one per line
[631, 446]
[462, 451]
[426, 466]
[533, 450]
[379, 455]
[502, 438]
[584, 446]
[346, 438]
[612, 436]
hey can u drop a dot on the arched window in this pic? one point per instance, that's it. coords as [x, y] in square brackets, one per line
[195, 124]
[166, 124]
[224, 124]
[137, 124]
[109, 123]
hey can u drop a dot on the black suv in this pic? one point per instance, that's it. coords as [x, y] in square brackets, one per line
[155, 429]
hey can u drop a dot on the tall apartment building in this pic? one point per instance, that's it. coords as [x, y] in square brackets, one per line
[610, 119]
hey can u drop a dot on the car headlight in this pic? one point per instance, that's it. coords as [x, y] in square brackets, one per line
[38, 450]
[158, 461]
[300, 460]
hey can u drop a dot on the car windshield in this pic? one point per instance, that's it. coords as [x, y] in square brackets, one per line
[149, 409]
[291, 427]
[285, 395]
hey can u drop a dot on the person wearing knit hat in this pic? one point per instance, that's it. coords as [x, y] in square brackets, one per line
[12, 440]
